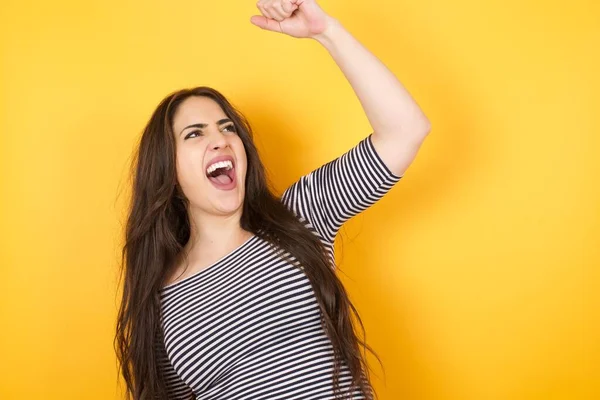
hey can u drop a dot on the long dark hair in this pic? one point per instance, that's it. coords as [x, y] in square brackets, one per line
[158, 227]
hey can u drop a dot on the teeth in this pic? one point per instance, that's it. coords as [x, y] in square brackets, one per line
[221, 164]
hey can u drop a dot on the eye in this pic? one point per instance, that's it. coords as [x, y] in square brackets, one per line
[232, 127]
[191, 133]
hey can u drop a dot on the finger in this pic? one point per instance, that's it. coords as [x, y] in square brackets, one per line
[261, 7]
[276, 11]
[266, 9]
[288, 7]
[266, 23]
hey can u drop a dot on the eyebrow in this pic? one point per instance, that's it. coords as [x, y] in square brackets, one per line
[219, 122]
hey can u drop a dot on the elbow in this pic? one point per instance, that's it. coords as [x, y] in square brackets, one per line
[425, 130]
[425, 126]
[422, 128]
[419, 126]
[416, 128]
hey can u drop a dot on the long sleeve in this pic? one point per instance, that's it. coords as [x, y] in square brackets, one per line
[340, 189]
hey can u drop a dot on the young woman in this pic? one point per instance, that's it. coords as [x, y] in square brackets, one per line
[230, 292]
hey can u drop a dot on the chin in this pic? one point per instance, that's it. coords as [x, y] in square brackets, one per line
[229, 206]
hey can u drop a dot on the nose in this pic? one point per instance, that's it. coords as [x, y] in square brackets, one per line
[218, 140]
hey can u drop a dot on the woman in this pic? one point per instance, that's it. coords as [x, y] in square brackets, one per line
[230, 292]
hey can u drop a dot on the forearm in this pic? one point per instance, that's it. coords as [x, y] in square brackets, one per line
[387, 104]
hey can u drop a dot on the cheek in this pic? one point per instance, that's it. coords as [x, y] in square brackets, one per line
[243, 163]
[242, 158]
[189, 167]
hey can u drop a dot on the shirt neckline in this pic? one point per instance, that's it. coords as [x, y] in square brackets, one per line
[208, 267]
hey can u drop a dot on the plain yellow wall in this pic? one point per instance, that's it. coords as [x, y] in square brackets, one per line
[476, 277]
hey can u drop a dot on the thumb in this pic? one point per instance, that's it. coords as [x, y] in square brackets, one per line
[265, 23]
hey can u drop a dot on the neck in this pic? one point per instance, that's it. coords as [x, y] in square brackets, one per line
[214, 235]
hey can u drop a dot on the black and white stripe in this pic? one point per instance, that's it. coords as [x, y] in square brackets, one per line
[249, 326]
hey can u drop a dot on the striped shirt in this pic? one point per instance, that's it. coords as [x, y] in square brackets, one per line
[249, 326]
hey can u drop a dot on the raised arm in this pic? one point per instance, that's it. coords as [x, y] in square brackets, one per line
[399, 125]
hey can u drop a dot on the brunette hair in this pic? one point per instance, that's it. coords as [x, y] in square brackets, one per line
[158, 227]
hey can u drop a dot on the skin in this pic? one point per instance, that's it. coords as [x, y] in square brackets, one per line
[214, 214]
[296, 18]
[399, 126]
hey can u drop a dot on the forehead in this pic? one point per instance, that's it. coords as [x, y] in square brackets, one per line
[197, 109]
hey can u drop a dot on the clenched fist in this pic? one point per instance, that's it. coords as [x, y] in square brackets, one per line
[297, 18]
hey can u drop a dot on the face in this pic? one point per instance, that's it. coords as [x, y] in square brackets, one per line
[197, 148]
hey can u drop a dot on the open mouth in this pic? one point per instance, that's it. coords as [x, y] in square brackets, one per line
[222, 175]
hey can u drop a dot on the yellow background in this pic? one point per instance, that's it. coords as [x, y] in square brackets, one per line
[476, 276]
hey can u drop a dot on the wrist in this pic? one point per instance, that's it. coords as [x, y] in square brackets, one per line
[332, 25]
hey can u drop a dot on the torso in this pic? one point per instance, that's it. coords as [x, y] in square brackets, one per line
[247, 326]
[183, 267]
